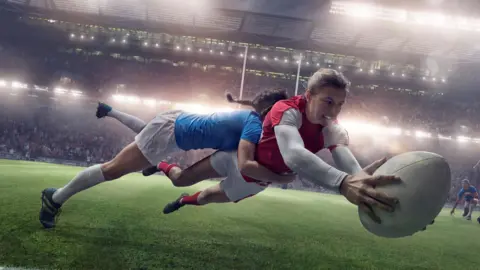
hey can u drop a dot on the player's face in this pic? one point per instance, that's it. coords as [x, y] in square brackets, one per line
[466, 186]
[325, 105]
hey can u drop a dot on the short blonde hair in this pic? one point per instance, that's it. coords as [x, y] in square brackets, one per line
[326, 77]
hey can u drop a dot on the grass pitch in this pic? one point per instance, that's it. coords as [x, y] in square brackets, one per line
[119, 225]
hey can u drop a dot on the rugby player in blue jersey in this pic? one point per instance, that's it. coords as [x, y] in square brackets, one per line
[470, 195]
[169, 132]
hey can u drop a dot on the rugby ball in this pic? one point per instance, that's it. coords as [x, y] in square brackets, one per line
[422, 193]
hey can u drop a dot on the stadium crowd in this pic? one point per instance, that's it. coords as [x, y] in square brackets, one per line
[44, 126]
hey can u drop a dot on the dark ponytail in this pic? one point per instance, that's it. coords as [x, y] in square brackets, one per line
[263, 101]
[239, 101]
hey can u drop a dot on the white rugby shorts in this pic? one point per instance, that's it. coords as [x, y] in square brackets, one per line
[157, 139]
[234, 186]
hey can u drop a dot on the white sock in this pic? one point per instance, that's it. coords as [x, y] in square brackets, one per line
[132, 122]
[470, 208]
[87, 178]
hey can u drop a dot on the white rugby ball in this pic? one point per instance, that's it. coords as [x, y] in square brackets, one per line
[422, 193]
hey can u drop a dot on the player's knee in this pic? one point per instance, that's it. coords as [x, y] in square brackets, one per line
[184, 180]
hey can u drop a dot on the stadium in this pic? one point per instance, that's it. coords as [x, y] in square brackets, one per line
[411, 65]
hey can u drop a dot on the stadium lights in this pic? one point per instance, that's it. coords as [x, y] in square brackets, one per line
[177, 48]
[157, 45]
[253, 56]
[403, 74]
[124, 41]
[133, 100]
[211, 51]
[119, 98]
[395, 131]
[318, 64]
[76, 93]
[3, 83]
[200, 109]
[463, 139]
[19, 85]
[443, 80]
[360, 70]
[149, 102]
[286, 61]
[441, 137]
[421, 134]
[307, 63]
[113, 40]
[264, 58]
[189, 49]
[59, 90]
[40, 88]
[371, 71]
[434, 79]
[92, 37]
[431, 19]
[276, 58]
[72, 35]
[145, 44]
[82, 37]
[200, 50]
[221, 53]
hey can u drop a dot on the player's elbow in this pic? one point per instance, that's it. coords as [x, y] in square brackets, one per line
[246, 167]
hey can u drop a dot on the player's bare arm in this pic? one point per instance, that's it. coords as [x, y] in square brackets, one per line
[459, 198]
[251, 168]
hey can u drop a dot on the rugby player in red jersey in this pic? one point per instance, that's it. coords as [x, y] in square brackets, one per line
[294, 130]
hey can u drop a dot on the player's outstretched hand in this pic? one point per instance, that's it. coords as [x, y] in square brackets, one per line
[360, 190]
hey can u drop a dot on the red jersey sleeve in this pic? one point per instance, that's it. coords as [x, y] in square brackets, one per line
[278, 109]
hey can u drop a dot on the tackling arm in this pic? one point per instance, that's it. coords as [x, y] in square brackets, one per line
[299, 159]
[251, 168]
[459, 198]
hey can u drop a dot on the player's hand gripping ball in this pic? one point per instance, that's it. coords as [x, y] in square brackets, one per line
[422, 193]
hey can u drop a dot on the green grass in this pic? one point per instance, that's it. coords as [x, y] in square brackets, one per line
[119, 225]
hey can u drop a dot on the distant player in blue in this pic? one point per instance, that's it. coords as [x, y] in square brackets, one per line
[170, 132]
[470, 195]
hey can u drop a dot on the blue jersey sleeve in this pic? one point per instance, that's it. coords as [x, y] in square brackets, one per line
[460, 193]
[252, 128]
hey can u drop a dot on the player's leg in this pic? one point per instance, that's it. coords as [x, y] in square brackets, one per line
[213, 194]
[201, 170]
[151, 145]
[465, 208]
[471, 206]
[132, 122]
[234, 188]
[129, 160]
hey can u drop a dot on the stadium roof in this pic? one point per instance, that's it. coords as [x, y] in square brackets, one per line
[300, 24]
